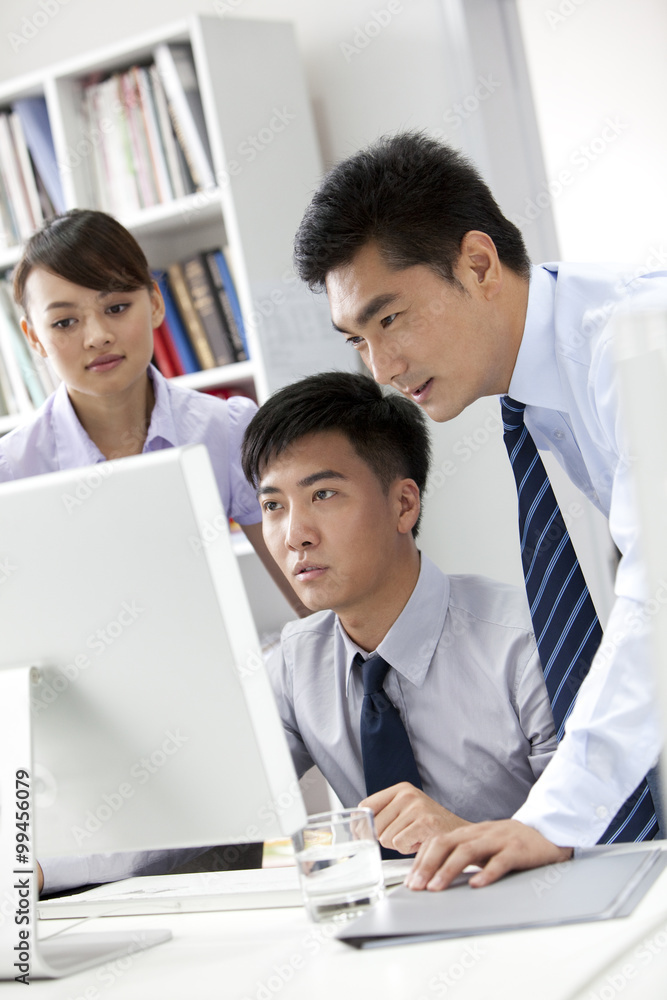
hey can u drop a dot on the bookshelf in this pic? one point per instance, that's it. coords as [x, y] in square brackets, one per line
[265, 161]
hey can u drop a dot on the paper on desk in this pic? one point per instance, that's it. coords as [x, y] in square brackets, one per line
[253, 888]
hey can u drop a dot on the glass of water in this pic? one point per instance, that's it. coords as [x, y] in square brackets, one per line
[339, 863]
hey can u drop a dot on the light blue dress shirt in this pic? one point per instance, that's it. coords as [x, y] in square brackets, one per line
[54, 439]
[565, 374]
[465, 677]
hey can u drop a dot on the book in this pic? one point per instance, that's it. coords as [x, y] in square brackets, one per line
[179, 176]
[26, 171]
[138, 140]
[156, 150]
[224, 288]
[165, 357]
[38, 136]
[207, 304]
[175, 65]
[190, 316]
[172, 318]
[23, 222]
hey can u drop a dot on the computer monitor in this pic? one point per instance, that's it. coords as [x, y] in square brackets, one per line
[135, 712]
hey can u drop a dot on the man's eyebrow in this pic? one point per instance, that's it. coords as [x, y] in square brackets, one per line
[373, 307]
[314, 477]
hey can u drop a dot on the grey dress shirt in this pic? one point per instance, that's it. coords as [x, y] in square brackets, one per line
[465, 677]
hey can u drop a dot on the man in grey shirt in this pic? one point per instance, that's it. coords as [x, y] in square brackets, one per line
[339, 471]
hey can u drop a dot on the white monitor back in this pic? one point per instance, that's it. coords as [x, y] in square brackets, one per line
[154, 722]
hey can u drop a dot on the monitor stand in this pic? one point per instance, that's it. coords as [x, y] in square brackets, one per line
[22, 956]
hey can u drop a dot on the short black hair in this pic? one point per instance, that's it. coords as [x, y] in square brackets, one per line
[387, 431]
[412, 196]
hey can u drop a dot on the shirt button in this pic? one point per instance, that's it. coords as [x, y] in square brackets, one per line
[559, 435]
[601, 812]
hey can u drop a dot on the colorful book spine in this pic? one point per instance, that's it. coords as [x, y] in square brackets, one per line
[230, 315]
[177, 329]
[176, 67]
[190, 317]
[217, 258]
[208, 308]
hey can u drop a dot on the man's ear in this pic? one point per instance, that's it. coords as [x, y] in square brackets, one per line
[479, 263]
[31, 337]
[409, 505]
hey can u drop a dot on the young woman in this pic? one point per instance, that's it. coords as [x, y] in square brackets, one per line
[90, 306]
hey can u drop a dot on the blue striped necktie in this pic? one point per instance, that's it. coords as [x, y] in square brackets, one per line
[566, 626]
[385, 745]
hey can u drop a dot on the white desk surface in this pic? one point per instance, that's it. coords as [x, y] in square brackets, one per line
[280, 955]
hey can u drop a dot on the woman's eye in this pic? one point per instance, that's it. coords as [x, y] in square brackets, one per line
[324, 494]
[269, 505]
[62, 324]
[118, 307]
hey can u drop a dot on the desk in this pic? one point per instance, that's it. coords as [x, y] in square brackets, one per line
[280, 955]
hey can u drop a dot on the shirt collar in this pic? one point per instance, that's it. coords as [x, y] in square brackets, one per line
[73, 446]
[536, 378]
[410, 643]
[162, 429]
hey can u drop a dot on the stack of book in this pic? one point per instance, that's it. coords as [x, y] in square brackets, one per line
[203, 326]
[148, 138]
[30, 188]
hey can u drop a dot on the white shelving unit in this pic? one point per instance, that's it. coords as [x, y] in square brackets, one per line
[266, 164]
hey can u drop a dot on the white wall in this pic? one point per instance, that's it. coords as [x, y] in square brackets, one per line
[599, 76]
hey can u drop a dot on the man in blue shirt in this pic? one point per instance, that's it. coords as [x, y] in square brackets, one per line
[434, 288]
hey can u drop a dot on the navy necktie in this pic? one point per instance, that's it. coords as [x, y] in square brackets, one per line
[385, 745]
[566, 626]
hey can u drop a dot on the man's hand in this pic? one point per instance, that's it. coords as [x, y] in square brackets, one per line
[405, 817]
[40, 878]
[500, 846]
